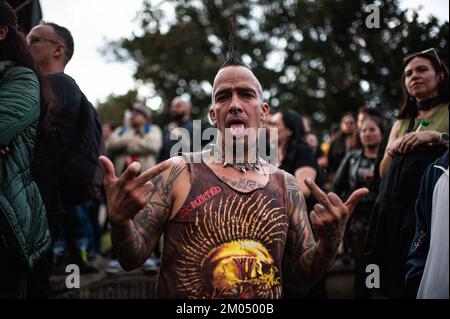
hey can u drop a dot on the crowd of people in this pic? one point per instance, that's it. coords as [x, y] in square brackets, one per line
[371, 193]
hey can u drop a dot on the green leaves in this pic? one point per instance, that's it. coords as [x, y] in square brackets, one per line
[317, 57]
[113, 109]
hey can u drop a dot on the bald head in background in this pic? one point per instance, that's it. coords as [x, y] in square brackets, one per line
[180, 109]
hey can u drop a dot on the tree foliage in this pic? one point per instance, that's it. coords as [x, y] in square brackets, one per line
[317, 57]
[113, 109]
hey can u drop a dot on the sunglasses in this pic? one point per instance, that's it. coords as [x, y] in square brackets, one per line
[34, 39]
[430, 52]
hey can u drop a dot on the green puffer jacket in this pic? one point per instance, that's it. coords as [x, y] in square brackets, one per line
[23, 222]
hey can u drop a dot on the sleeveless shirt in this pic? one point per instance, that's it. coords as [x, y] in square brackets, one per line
[438, 121]
[223, 243]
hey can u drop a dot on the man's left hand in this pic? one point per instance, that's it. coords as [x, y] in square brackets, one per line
[329, 217]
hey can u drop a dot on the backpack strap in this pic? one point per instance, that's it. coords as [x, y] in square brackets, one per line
[122, 130]
[147, 128]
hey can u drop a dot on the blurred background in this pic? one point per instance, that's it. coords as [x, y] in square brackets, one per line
[317, 57]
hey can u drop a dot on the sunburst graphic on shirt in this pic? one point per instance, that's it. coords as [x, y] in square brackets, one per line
[226, 255]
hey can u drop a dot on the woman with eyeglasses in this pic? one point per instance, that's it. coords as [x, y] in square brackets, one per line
[417, 138]
[25, 109]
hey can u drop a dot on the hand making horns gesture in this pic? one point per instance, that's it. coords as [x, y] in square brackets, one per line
[129, 193]
[330, 215]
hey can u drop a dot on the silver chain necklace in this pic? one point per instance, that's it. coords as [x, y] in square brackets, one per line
[242, 167]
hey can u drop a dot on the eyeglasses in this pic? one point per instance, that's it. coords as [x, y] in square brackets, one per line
[34, 39]
[432, 52]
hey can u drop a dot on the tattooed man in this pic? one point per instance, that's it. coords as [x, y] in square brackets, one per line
[226, 223]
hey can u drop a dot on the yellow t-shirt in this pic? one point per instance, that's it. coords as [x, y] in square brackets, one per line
[438, 121]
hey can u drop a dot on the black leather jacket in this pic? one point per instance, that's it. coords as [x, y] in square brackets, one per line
[345, 180]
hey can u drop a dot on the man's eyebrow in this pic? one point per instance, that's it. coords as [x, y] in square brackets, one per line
[246, 90]
[220, 91]
[239, 89]
[223, 89]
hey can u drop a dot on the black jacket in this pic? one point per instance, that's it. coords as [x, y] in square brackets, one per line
[421, 244]
[50, 147]
[345, 180]
[392, 224]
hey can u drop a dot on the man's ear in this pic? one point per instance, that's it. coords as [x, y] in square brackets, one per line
[212, 116]
[265, 110]
[58, 51]
[3, 31]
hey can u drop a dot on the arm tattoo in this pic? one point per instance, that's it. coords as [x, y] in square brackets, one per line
[310, 262]
[135, 242]
[299, 228]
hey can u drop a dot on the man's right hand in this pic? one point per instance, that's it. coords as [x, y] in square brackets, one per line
[129, 193]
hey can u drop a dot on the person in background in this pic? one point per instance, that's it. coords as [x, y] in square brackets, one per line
[357, 170]
[181, 115]
[26, 109]
[426, 103]
[65, 163]
[139, 141]
[271, 148]
[416, 139]
[427, 276]
[312, 141]
[364, 112]
[296, 157]
[345, 142]
[333, 133]
[107, 130]
[294, 154]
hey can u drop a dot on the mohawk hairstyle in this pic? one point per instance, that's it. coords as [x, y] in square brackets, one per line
[232, 57]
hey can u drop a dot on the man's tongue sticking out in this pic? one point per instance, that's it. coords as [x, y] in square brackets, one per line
[237, 129]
